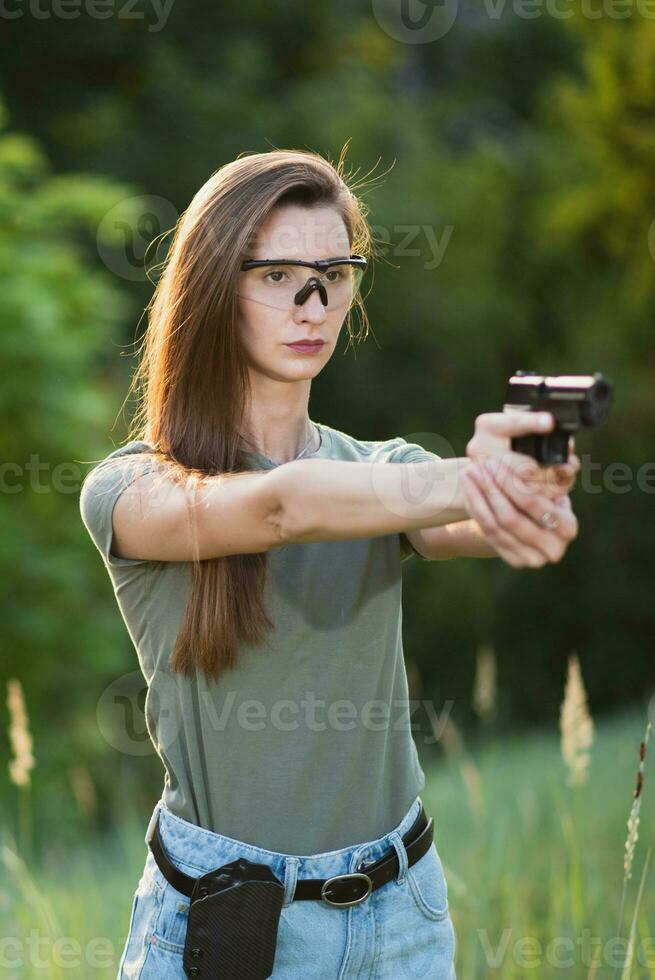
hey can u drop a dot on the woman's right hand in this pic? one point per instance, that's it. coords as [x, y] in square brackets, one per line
[492, 438]
[508, 504]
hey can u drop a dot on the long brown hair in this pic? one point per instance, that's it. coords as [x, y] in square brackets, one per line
[192, 381]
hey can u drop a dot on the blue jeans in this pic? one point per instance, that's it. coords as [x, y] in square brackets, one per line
[403, 929]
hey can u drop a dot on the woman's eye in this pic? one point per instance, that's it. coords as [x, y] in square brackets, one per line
[275, 272]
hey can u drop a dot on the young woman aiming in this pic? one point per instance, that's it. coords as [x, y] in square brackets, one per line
[256, 557]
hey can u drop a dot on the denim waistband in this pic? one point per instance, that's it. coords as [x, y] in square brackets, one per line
[195, 851]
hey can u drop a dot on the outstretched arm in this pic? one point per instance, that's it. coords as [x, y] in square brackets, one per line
[463, 539]
[325, 499]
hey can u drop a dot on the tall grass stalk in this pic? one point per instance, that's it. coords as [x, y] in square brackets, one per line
[576, 725]
[37, 903]
[484, 685]
[627, 968]
[20, 766]
[576, 739]
[633, 830]
[453, 744]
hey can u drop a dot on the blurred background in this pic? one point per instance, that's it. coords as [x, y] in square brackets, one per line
[512, 144]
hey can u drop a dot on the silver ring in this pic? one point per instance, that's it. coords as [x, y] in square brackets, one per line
[549, 520]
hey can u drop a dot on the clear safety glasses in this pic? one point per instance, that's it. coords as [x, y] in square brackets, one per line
[284, 283]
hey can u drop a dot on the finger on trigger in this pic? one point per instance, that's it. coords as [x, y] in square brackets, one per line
[518, 422]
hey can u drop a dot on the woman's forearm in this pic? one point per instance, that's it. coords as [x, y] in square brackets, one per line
[325, 500]
[465, 539]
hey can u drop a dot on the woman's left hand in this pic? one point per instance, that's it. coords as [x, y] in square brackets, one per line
[509, 509]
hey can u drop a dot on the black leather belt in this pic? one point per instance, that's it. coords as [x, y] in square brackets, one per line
[340, 890]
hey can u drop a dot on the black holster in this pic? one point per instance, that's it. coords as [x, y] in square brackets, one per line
[233, 922]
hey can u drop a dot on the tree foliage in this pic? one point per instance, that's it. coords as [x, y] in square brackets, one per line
[516, 201]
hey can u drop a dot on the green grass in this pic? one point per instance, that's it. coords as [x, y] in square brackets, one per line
[535, 869]
[530, 861]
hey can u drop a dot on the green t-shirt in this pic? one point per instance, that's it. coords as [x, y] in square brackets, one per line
[307, 745]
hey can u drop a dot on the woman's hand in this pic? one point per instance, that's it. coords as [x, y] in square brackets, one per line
[509, 501]
[509, 511]
[492, 438]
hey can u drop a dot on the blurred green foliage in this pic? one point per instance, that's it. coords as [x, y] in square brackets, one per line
[59, 325]
[517, 205]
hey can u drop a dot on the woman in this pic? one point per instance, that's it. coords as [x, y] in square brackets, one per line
[259, 577]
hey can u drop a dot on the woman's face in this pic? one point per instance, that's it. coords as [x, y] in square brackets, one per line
[291, 232]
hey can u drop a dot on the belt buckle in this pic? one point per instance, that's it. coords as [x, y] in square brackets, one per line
[355, 901]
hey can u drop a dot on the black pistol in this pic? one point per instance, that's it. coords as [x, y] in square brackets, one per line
[575, 400]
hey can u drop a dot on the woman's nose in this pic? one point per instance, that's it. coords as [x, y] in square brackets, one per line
[312, 285]
[312, 308]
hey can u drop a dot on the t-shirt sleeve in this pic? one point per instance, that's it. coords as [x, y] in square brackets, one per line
[100, 490]
[409, 452]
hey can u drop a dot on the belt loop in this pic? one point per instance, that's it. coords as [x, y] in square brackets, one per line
[290, 879]
[153, 821]
[401, 851]
[356, 859]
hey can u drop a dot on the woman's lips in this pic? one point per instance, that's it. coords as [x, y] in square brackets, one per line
[307, 348]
